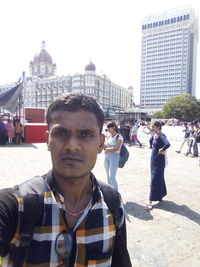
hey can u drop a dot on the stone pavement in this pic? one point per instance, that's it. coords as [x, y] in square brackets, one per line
[169, 235]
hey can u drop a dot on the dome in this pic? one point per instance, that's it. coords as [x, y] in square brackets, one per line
[43, 56]
[90, 67]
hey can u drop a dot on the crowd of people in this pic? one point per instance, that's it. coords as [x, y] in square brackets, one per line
[191, 138]
[10, 131]
[190, 130]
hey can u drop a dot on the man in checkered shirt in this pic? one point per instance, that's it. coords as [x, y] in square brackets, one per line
[76, 227]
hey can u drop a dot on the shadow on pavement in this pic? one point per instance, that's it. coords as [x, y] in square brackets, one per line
[20, 145]
[182, 210]
[138, 211]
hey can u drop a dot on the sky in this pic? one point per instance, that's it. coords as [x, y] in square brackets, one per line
[106, 31]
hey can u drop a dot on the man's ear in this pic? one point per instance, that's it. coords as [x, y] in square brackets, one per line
[47, 139]
[101, 145]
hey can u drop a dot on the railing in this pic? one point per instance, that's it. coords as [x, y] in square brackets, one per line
[173, 133]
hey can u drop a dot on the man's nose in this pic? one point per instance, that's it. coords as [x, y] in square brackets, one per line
[72, 144]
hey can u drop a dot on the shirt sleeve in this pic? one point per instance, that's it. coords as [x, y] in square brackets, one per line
[8, 219]
[121, 138]
[166, 143]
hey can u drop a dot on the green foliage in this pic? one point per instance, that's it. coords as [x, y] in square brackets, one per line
[182, 107]
[158, 114]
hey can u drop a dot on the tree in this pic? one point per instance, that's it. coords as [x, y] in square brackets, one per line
[182, 107]
[158, 114]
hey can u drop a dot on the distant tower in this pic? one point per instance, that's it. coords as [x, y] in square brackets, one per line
[132, 101]
[169, 55]
[42, 64]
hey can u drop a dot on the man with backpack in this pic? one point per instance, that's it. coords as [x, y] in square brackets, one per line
[197, 139]
[187, 137]
[66, 217]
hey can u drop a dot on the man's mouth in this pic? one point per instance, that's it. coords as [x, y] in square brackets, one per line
[71, 159]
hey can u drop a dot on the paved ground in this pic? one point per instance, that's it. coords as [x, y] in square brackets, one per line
[168, 236]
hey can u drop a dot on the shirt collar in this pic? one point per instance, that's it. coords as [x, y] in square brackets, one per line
[54, 188]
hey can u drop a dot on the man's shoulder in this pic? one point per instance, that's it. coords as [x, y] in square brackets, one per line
[7, 198]
[6, 192]
[34, 185]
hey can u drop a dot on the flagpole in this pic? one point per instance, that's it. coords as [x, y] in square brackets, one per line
[23, 96]
[19, 104]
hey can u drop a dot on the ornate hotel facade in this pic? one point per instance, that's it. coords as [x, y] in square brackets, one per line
[43, 85]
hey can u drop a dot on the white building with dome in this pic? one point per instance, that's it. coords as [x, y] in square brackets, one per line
[42, 85]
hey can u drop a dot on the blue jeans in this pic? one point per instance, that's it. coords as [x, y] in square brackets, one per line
[111, 162]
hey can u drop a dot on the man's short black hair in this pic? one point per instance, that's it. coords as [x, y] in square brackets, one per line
[74, 102]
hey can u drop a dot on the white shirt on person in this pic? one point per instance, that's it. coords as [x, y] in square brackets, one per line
[111, 141]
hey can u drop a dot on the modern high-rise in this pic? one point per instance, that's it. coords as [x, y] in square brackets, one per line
[168, 56]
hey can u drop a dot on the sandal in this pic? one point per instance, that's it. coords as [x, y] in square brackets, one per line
[149, 207]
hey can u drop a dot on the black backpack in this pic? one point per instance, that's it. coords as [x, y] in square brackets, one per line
[33, 193]
[197, 138]
[124, 155]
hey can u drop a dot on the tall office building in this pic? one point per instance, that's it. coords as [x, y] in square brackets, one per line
[168, 56]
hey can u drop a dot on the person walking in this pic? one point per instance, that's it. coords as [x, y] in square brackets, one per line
[133, 135]
[187, 138]
[193, 145]
[10, 131]
[2, 133]
[147, 130]
[112, 153]
[196, 145]
[18, 131]
[75, 225]
[158, 161]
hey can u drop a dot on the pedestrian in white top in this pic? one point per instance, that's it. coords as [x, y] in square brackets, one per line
[133, 135]
[112, 148]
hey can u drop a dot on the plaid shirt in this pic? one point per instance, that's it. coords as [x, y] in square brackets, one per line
[94, 233]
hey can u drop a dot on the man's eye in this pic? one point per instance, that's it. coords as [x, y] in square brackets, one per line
[60, 133]
[86, 134]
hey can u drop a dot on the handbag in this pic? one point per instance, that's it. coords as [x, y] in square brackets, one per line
[197, 138]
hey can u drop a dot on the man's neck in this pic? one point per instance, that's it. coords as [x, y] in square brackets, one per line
[74, 190]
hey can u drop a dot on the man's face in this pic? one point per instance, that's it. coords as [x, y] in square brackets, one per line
[74, 141]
